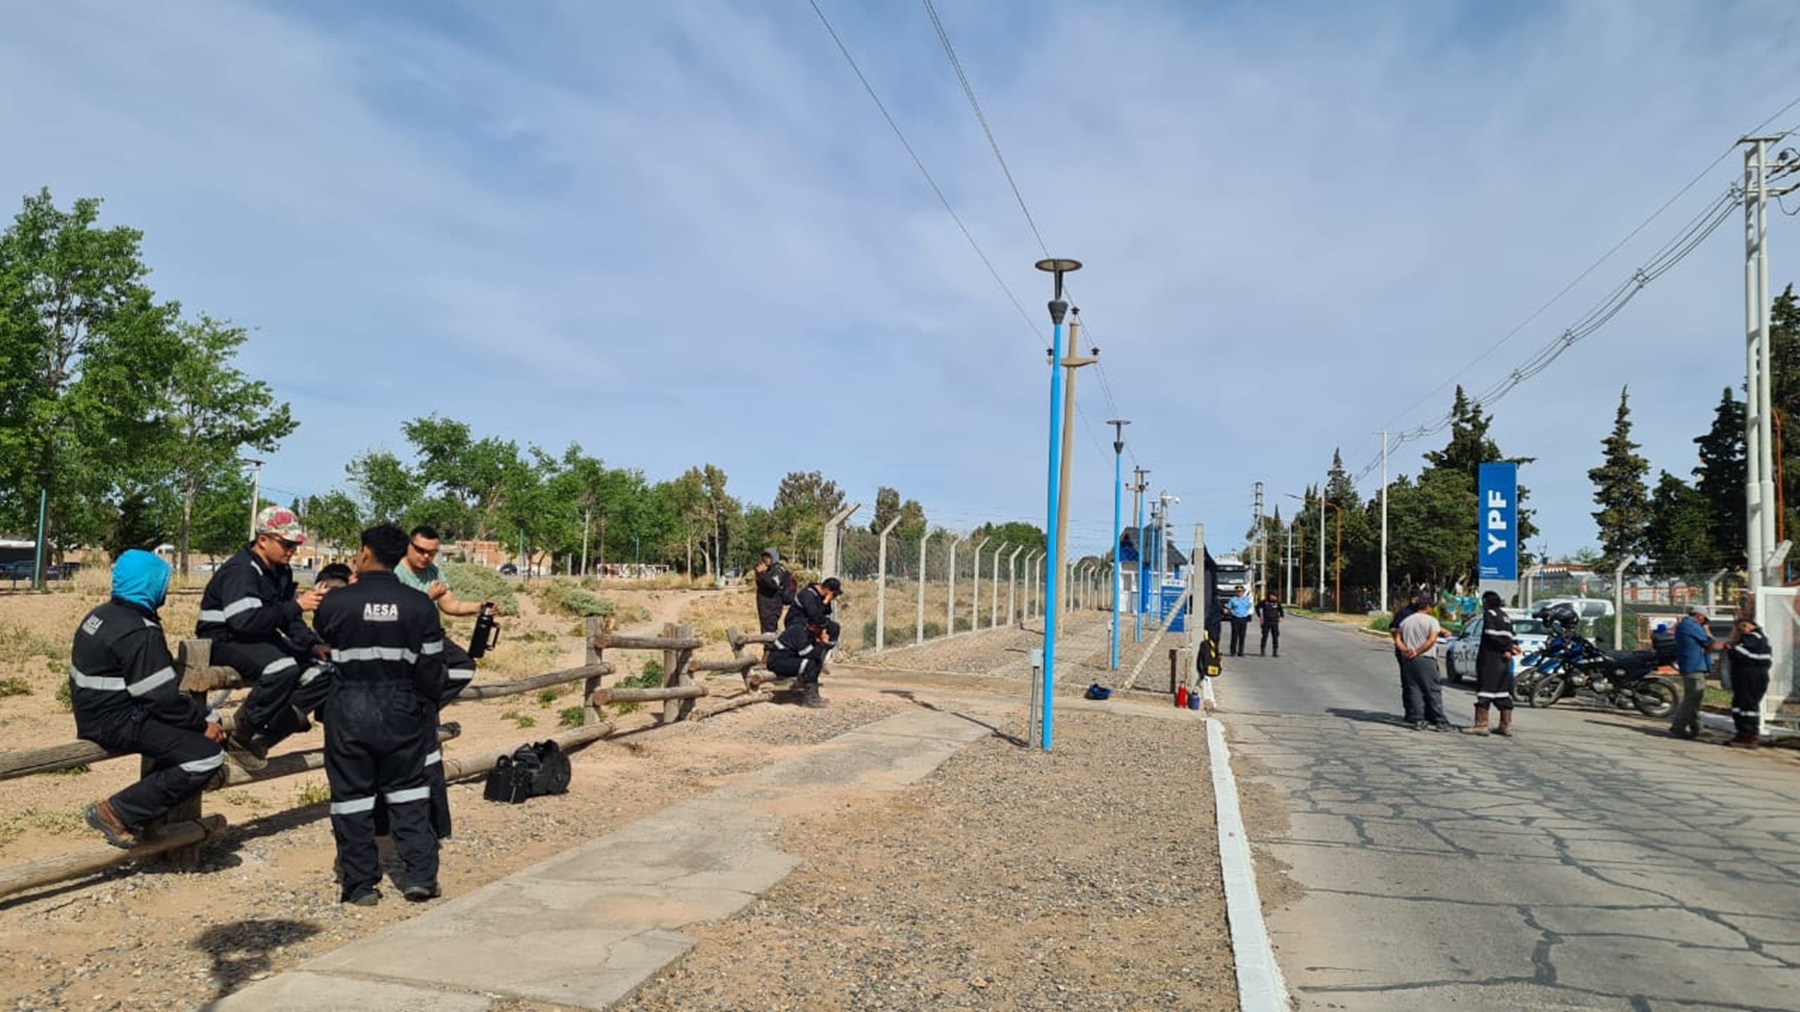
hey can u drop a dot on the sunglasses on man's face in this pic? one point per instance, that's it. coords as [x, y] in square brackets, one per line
[427, 552]
[285, 543]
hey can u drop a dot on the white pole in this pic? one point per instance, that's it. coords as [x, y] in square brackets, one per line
[919, 636]
[1384, 520]
[975, 592]
[881, 587]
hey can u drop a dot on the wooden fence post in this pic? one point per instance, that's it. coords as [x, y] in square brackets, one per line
[189, 655]
[590, 714]
[671, 672]
[682, 708]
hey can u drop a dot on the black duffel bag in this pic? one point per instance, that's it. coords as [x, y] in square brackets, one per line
[531, 771]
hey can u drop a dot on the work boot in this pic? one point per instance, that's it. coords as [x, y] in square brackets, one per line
[1505, 728]
[421, 893]
[1481, 720]
[243, 748]
[811, 698]
[1741, 742]
[102, 817]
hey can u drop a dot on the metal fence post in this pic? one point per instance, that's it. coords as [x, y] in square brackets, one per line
[920, 636]
[828, 548]
[881, 587]
[975, 591]
[950, 604]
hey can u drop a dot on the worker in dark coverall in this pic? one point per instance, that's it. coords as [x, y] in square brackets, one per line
[799, 653]
[381, 719]
[127, 697]
[1750, 660]
[812, 606]
[773, 583]
[1493, 667]
[251, 614]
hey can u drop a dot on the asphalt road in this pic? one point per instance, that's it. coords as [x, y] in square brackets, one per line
[1589, 862]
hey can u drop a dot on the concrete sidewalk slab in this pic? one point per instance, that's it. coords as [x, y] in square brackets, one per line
[586, 927]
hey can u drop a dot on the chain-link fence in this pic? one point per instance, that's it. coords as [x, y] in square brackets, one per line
[946, 583]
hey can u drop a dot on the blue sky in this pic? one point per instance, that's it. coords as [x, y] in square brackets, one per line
[681, 233]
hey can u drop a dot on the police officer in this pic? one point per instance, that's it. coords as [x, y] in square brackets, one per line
[126, 697]
[774, 589]
[381, 719]
[251, 614]
[799, 653]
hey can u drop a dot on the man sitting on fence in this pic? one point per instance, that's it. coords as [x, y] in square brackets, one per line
[812, 607]
[251, 614]
[799, 653]
[127, 697]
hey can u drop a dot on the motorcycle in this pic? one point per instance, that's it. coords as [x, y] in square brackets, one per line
[1571, 663]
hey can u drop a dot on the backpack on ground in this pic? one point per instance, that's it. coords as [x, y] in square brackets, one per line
[531, 771]
[1206, 658]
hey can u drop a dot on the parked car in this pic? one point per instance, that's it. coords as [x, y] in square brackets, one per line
[508, 569]
[15, 571]
[1587, 609]
[1459, 656]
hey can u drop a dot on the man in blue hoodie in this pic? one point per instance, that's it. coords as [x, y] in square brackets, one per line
[127, 698]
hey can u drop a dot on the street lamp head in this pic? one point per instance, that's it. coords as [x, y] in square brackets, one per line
[1058, 265]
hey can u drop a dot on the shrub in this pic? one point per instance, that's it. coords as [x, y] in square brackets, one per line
[652, 669]
[933, 629]
[868, 634]
[479, 583]
[520, 720]
[568, 597]
[63, 697]
[1380, 623]
[313, 794]
[548, 697]
[569, 716]
[14, 687]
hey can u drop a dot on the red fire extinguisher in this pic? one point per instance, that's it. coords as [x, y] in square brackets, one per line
[1181, 698]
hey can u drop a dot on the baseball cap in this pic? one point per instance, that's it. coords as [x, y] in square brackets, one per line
[280, 522]
[1696, 609]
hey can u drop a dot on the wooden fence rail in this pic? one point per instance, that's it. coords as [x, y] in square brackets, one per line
[178, 837]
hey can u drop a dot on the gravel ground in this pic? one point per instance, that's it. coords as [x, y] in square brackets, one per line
[1009, 879]
[1085, 879]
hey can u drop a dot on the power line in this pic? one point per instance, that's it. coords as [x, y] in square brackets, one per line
[919, 163]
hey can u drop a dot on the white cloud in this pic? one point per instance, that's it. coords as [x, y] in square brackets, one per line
[682, 233]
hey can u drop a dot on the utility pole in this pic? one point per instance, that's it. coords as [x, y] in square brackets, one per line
[255, 493]
[1118, 577]
[1070, 363]
[1759, 485]
[1258, 557]
[1384, 521]
[1287, 580]
[601, 561]
[587, 520]
[1137, 523]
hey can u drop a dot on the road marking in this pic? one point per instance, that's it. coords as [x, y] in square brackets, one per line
[1261, 988]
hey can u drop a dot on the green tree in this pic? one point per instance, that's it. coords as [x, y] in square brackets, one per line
[390, 490]
[1677, 539]
[1784, 391]
[1720, 479]
[1453, 473]
[334, 519]
[86, 347]
[211, 413]
[1620, 493]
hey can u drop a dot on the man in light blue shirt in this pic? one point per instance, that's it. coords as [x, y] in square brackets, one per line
[1238, 609]
[1692, 642]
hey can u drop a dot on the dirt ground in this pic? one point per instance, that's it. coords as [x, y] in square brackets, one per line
[967, 890]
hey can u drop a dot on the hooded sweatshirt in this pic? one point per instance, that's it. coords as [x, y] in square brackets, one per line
[773, 584]
[119, 666]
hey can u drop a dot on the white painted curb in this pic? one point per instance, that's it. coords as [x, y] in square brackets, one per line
[1261, 988]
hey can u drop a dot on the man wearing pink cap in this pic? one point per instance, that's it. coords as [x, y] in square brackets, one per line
[252, 615]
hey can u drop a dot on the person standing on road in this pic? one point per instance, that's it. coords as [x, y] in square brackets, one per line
[1271, 613]
[126, 697]
[1411, 708]
[1417, 639]
[1493, 666]
[1692, 643]
[1239, 608]
[381, 719]
[1750, 660]
[774, 590]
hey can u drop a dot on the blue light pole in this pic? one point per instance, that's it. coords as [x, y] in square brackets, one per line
[1137, 510]
[1058, 309]
[1118, 573]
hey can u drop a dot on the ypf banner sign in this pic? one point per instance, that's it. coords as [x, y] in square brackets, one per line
[1498, 492]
